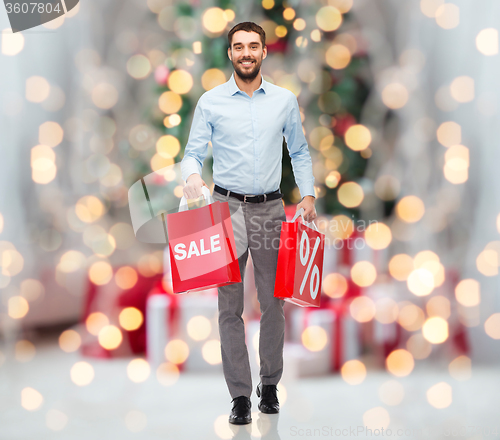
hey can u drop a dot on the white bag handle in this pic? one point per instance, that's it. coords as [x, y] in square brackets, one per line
[183, 206]
[300, 212]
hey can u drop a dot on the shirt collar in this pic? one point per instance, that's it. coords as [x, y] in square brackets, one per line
[233, 87]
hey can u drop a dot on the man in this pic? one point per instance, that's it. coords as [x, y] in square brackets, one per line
[245, 119]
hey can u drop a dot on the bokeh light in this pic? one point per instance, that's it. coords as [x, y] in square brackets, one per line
[395, 95]
[82, 373]
[435, 330]
[335, 285]
[138, 66]
[101, 273]
[37, 89]
[350, 194]
[338, 56]
[400, 362]
[130, 318]
[391, 392]
[449, 133]
[487, 41]
[180, 81]
[69, 341]
[410, 209]
[418, 346]
[214, 20]
[24, 351]
[448, 16]
[138, 370]
[169, 102]
[363, 273]
[12, 43]
[492, 326]
[358, 137]
[362, 309]
[176, 351]
[460, 368]
[110, 337]
[31, 399]
[50, 133]
[467, 292]
[212, 78]
[353, 372]
[411, 317]
[440, 395]
[400, 266]
[211, 352]
[328, 18]
[314, 338]
[199, 328]
[378, 235]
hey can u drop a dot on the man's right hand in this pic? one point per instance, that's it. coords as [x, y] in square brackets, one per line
[194, 183]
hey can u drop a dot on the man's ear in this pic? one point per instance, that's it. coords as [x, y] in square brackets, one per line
[264, 51]
[229, 52]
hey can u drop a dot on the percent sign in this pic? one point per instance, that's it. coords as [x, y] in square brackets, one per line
[304, 257]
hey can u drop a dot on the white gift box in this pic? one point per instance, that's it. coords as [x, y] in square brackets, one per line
[300, 361]
[383, 333]
[156, 328]
[204, 304]
[308, 363]
[351, 348]
[159, 333]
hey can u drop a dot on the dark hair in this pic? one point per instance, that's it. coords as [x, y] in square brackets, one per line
[248, 26]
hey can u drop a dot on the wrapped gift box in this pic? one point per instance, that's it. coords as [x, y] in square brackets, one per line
[201, 304]
[110, 300]
[342, 340]
[168, 316]
[381, 338]
[301, 361]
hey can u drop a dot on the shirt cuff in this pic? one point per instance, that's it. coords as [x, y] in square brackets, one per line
[189, 167]
[307, 189]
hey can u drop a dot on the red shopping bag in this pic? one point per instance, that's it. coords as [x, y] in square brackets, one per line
[300, 263]
[202, 247]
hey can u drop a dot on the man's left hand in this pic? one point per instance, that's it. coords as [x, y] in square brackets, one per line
[309, 210]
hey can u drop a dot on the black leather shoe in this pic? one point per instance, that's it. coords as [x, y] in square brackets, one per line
[269, 401]
[240, 414]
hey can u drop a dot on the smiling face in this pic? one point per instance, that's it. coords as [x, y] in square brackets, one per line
[246, 54]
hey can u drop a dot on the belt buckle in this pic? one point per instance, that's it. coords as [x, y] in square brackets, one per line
[247, 195]
[265, 198]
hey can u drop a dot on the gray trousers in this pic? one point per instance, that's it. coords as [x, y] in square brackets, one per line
[257, 228]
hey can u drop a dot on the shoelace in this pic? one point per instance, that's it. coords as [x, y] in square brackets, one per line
[269, 392]
[241, 401]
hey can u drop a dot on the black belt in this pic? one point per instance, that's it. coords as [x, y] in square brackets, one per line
[249, 198]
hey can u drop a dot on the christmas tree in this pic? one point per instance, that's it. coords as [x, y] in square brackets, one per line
[328, 76]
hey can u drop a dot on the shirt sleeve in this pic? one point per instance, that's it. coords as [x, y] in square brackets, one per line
[199, 136]
[298, 150]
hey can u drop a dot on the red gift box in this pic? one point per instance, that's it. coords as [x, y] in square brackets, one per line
[110, 300]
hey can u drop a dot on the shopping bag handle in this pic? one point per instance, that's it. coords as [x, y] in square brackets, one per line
[183, 206]
[300, 212]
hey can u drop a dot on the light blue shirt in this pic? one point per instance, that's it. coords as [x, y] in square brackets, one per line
[247, 138]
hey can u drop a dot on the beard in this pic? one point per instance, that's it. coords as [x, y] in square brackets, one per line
[247, 73]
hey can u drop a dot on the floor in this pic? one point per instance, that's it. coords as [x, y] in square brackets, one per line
[197, 406]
